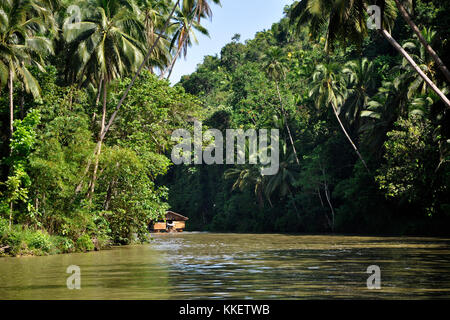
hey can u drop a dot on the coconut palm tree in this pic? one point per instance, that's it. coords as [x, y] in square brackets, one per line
[127, 90]
[283, 181]
[329, 89]
[425, 62]
[346, 21]
[108, 42]
[423, 40]
[382, 110]
[407, 94]
[183, 36]
[248, 176]
[362, 84]
[21, 46]
[201, 8]
[153, 15]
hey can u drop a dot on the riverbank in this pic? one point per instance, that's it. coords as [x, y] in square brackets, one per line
[22, 241]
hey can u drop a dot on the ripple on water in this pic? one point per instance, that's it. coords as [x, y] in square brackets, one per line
[225, 266]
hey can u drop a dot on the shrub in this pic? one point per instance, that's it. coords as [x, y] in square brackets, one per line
[84, 243]
[14, 238]
[39, 240]
[4, 227]
[63, 244]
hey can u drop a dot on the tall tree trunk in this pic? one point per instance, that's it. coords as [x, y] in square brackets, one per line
[11, 102]
[22, 103]
[270, 201]
[422, 39]
[86, 170]
[172, 64]
[11, 130]
[260, 197]
[293, 202]
[150, 37]
[171, 69]
[328, 197]
[110, 191]
[100, 141]
[36, 203]
[10, 214]
[109, 195]
[405, 54]
[99, 93]
[320, 197]
[286, 124]
[348, 137]
[180, 47]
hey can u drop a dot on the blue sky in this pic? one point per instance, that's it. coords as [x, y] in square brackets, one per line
[245, 17]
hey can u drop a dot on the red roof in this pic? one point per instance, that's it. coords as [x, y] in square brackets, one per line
[170, 215]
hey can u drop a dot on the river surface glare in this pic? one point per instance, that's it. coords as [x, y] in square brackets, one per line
[239, 266]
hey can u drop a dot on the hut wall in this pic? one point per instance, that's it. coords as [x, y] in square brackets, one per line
[180, 224]
[159, 226]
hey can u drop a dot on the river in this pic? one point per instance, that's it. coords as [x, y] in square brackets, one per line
[239, 266]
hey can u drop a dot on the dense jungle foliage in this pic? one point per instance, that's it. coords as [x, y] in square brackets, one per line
[77, 172]
[365, 134]
[286, 78]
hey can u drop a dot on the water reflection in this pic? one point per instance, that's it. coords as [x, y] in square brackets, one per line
[299, 267]
[135, 272]
[223, 266]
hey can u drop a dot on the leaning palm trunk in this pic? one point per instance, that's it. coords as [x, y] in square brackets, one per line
[99, 142]
[424, 42]
[86, 170]
[172, 64]
[348, 137]
[11, 102]
[180, 47]
[150, 36]
[405, 54]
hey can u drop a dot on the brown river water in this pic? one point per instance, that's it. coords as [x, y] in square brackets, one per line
[239, 266]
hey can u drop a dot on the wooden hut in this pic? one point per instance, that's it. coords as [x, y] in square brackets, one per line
[174, 222]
